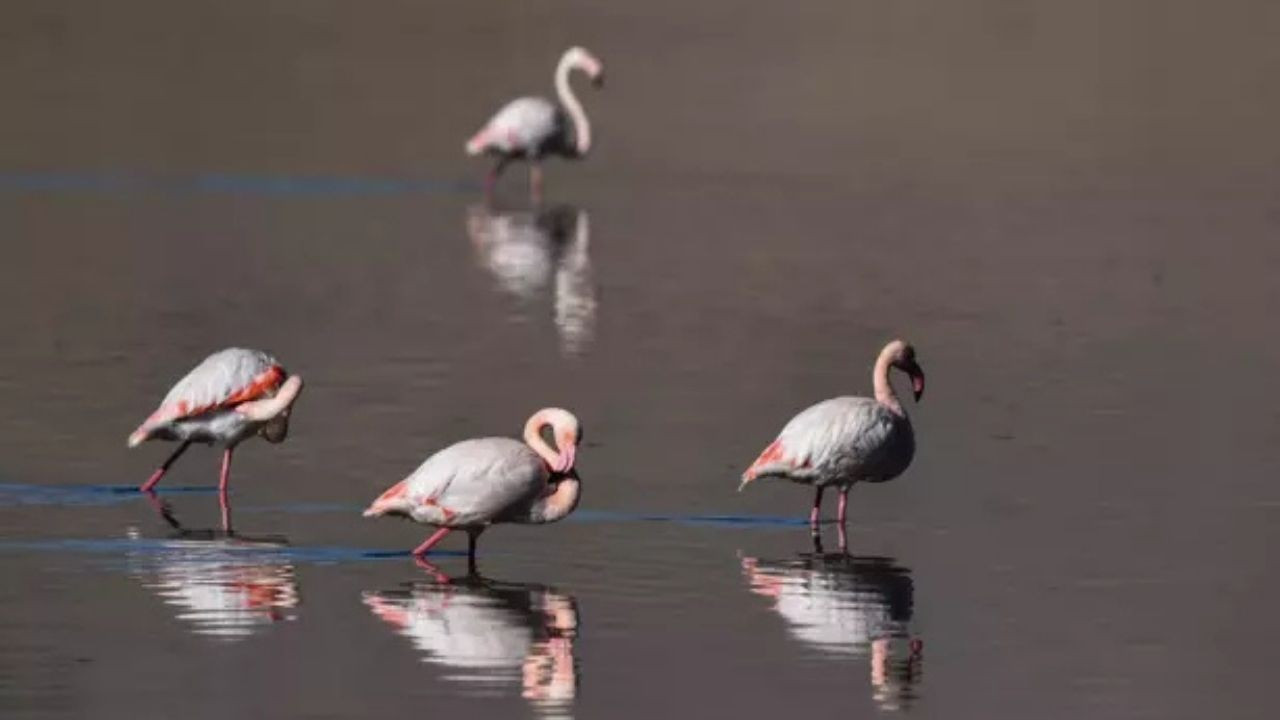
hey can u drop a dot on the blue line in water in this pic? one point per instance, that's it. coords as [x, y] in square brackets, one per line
[227, 183]
[89, 495]
[18, 494]
[227, 549]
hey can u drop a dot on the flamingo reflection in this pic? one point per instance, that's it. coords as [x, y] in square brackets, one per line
[528, 251]
[490, 634]
[845, 606]
[227, 586]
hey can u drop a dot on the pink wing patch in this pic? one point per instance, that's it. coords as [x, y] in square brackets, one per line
[773, 456]
[265, 382]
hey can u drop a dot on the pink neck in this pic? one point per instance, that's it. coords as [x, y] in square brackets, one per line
[533, 438]
[880, 380]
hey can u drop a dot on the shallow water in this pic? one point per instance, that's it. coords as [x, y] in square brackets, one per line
[1069, 209]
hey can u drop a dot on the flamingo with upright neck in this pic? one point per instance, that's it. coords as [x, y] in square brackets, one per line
[845, 440]
[531, 128]
[473, 484]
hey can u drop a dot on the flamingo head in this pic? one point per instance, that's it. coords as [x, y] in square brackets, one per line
[581, 58]
[903, 357]
[565, 430]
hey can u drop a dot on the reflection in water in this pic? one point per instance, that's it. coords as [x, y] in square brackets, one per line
[491, 634]
[847, 606]
[227, 586]
[527, 251]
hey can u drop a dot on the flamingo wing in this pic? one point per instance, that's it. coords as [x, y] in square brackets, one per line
[521, 126]
[839, 435]
[477, 481]
[224, 379]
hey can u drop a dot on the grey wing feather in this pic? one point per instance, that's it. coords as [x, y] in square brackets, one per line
[479, 480]
[851, 436]
[529, 121]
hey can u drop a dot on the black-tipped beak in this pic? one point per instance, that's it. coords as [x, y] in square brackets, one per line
[597, 80]
[917, 380]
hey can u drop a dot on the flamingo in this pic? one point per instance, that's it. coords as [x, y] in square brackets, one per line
[530, 128]
[231, 396]
[475, 483]
[844, 440]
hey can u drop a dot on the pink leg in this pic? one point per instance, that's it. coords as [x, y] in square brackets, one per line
[159, 473]
[535, 182]
[430, 542]
[844, 501]
[844, 539]
[223, 502]
[817, 509]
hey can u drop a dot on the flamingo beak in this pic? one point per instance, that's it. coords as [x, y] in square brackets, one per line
[567, 457]
[917, 380]
[597, 80]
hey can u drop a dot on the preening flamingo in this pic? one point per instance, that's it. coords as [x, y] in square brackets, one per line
[530, 128]
[473, 484]
[845, 440]
[231, 396]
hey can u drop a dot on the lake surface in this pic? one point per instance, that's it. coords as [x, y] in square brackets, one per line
[1070, 210]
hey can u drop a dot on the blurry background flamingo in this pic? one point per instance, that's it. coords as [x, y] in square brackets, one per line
[531, 128]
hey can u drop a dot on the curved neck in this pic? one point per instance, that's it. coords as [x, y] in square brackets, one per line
[557, 504]
[880, 380]
[266, 409]
[581, 127]
[533, 438]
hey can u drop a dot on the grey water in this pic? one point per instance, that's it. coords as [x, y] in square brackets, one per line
[1069, 208]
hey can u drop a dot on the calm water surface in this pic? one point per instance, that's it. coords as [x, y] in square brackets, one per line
[1070, 209]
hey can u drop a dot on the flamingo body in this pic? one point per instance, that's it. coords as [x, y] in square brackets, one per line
[838, 442]
[527, 128]
[472, 483]
[201, 407]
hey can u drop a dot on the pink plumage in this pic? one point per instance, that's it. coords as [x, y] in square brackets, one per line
[845, 440]
[531, 128]
[473, 484]
[232, 395]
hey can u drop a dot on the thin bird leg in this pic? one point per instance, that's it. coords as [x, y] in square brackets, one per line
[817, 508]
[535, 183]
[844, 501]
[844, 539]
[491, 179]
[472, 537]
[430, 542]
[159, 473]
[223, 502]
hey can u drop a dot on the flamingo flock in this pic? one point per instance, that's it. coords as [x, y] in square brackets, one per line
[236, 394]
